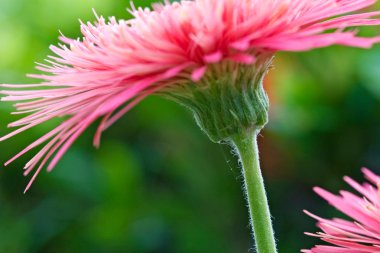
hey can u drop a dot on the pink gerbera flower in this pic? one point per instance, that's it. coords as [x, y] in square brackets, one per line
[362, 233]
[118, 63]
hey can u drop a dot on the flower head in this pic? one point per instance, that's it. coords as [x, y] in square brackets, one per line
[116, 64]
[362, 233]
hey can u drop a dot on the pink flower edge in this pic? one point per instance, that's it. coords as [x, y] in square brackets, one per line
[360, 234]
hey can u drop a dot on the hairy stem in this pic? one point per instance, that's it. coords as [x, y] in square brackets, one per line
[260, 218]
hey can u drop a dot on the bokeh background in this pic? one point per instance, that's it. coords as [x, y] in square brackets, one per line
[157, 184]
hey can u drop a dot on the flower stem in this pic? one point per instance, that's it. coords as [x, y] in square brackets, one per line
[246, 145]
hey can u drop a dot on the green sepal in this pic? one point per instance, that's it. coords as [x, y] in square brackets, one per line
[229, 100]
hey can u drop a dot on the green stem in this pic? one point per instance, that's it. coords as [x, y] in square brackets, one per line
[261, 223]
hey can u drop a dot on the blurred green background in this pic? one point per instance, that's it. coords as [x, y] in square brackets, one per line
[157, 184]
